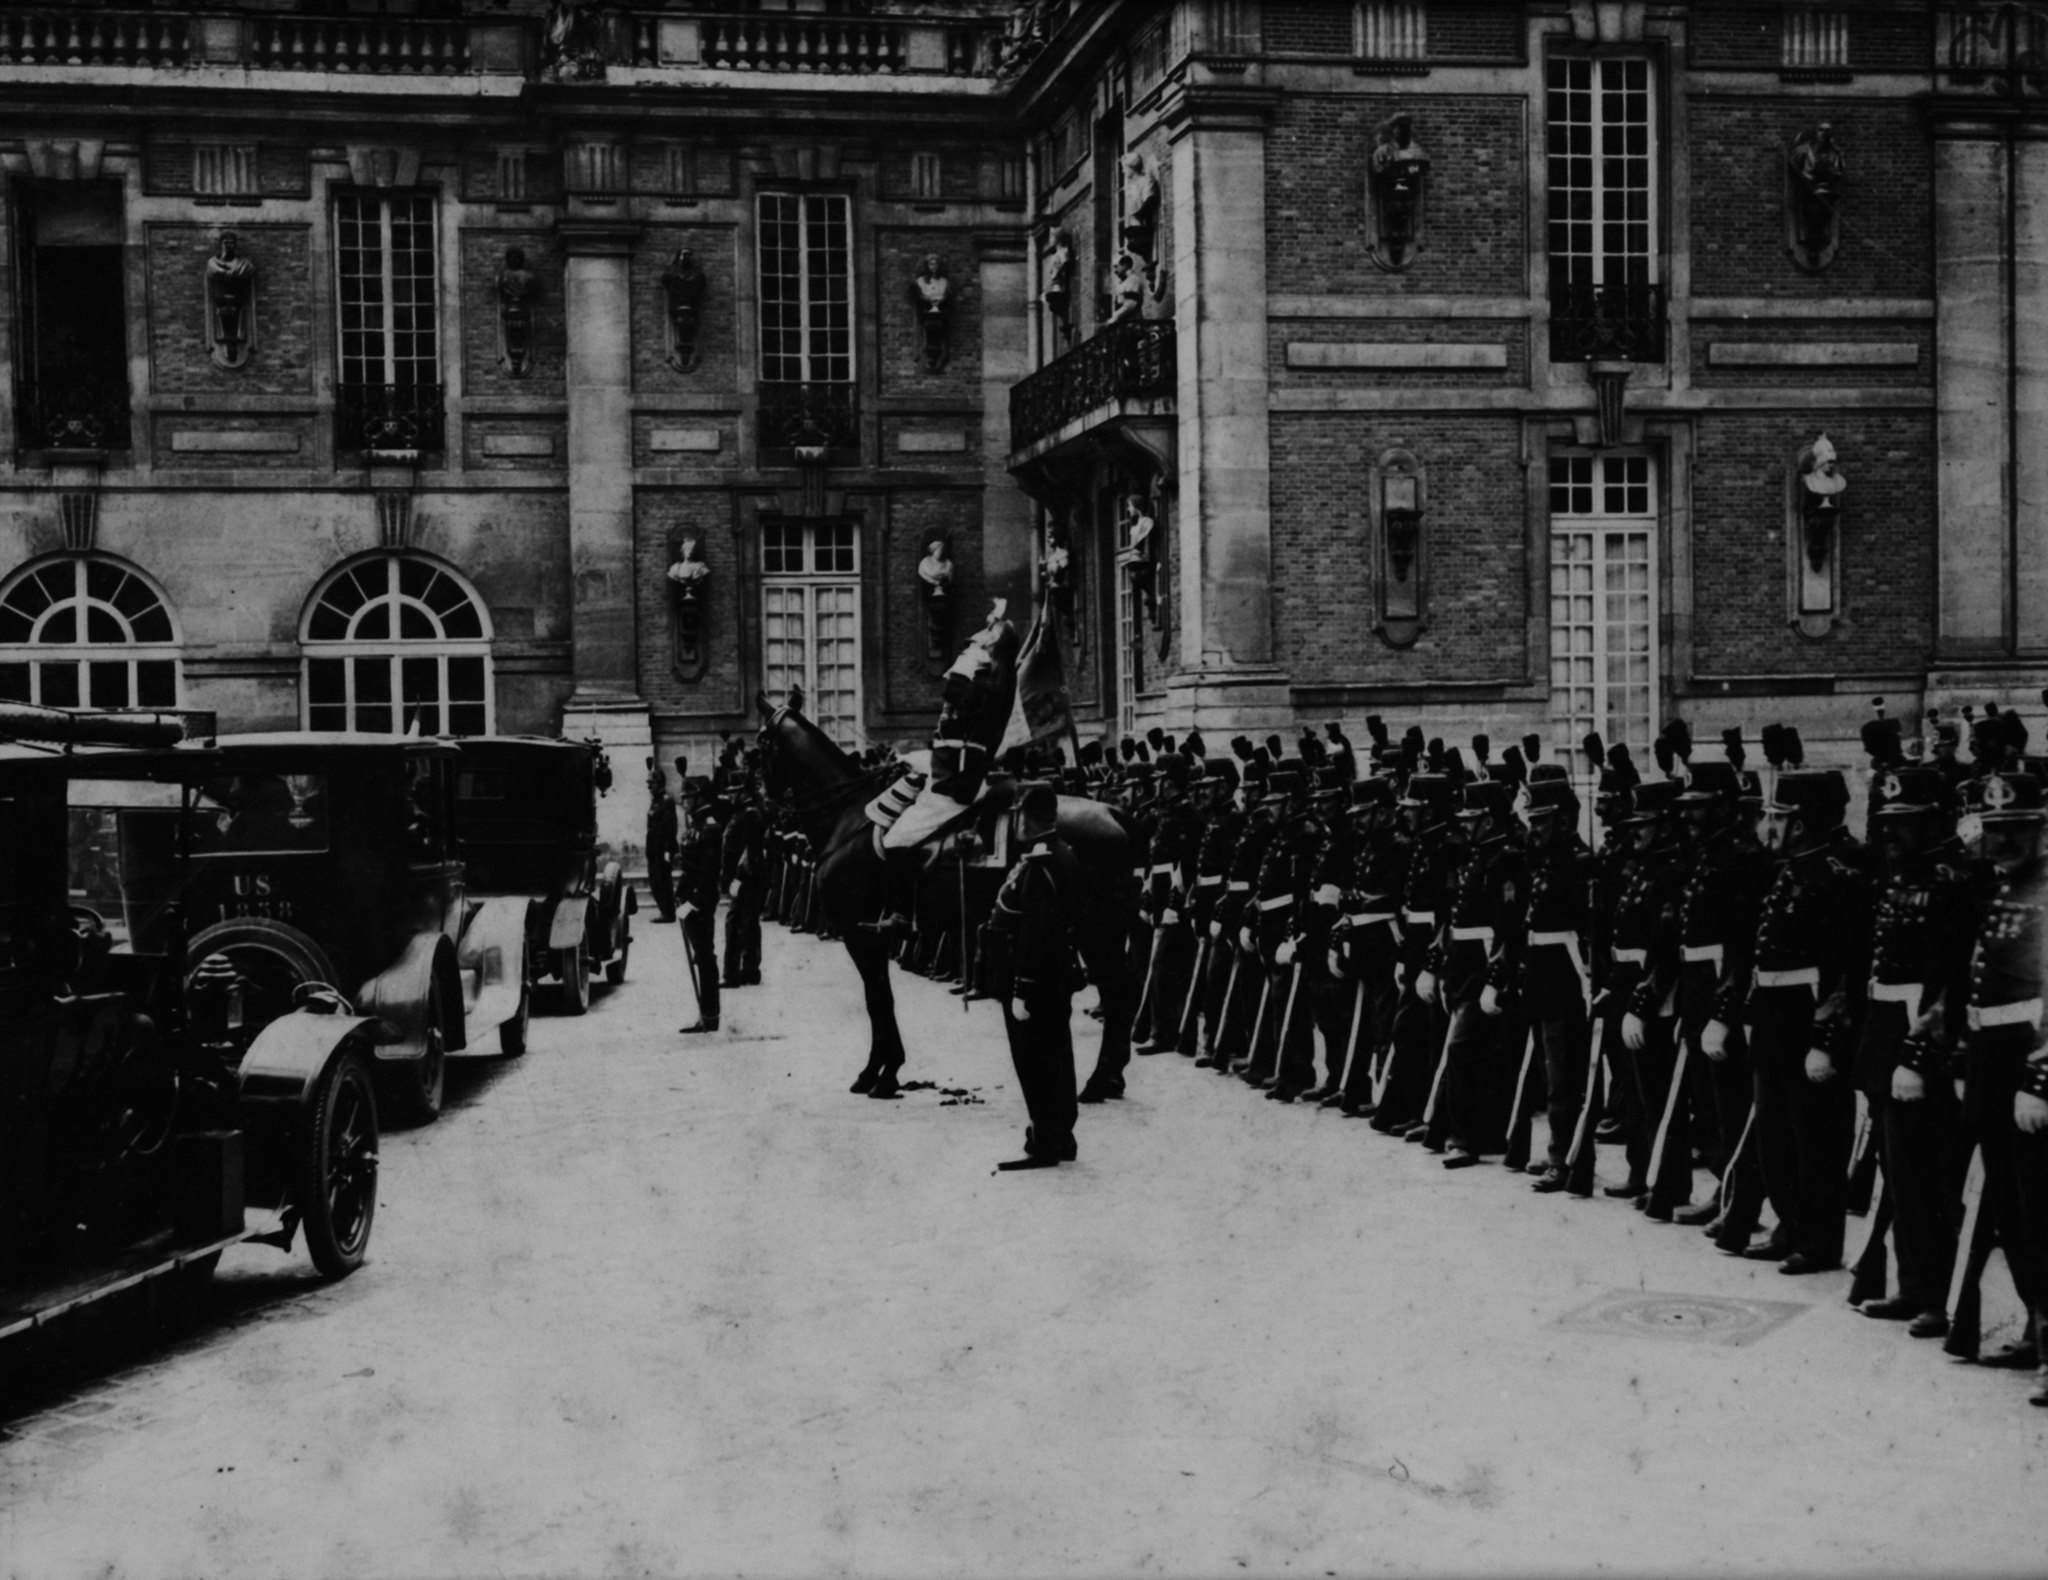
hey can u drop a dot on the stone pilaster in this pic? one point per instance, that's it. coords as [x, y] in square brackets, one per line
[1224, 528]
[606, 703]
[1007, 513]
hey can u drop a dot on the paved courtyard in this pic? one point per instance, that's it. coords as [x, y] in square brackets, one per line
[643, 1304]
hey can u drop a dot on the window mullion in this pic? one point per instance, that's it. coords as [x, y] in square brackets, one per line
[389, 274]
[803, 291]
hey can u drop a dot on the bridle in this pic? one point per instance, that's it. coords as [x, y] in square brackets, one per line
[866, 782]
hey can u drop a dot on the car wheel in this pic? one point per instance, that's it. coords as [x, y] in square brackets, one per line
[573, 967]
[336, 1168]
[413, 1088]
[615, 968]
[512, 1033]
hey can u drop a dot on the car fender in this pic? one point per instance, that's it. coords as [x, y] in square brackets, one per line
[401, 992]
[494, 946]
[572, 917]
[278, 1073]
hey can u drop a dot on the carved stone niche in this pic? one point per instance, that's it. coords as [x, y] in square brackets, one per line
[1815, 174]
[1396, 187]
[1816, 497]
[689, 584]
[1399, 503]
[683, 285]
[935, 593]
[230, 313]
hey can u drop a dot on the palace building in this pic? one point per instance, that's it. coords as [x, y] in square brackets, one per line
[1547, 365]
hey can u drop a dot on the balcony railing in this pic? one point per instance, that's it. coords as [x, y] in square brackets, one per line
[76, 414]
[2002, 44]
[391, 418]
[1607, 323]
[803, 416]
[66, 35]
[1125, 361]
[816, 44]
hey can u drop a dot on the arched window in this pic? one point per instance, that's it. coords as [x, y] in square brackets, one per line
[86, 632]
[395, 643]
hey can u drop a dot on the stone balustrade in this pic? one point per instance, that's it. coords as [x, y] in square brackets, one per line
[814, 44]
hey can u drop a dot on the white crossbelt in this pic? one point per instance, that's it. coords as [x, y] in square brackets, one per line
[1633, 957]
[2027, 1012]
[1805, 976]
[1279, 903]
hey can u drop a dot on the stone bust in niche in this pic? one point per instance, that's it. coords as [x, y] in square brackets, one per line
[1815, 172]
[931, 294]
[1397, 183]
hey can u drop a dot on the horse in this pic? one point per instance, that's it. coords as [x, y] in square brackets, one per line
[828, 792]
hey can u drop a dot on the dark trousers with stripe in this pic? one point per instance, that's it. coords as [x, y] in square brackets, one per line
[1804, 1128]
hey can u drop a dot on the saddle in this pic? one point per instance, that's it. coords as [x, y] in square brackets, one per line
[991, 817]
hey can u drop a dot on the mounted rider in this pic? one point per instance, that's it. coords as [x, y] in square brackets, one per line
[974, 711]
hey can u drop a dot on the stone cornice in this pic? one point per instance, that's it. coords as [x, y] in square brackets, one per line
[1218, 106]
[587, 238]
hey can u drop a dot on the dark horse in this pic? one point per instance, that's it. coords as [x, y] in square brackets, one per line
[829, 793]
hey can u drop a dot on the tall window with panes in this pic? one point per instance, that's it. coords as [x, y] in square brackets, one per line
[1603, 215]
[810, 621]
[387, 289]
[1603, 600]
[806, 268]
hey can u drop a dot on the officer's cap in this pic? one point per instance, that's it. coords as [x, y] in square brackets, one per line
[1551, 794]
[2008, 798]
[1222, 771]
[1370, 794]
[1652, 800]
[696, 787]
[1541, 772]
[1430, 790]
[1711, 782]
[1487, 798]
[1331, 780]
[1284, 781]
[1174, 768]
[1900, 792]
[1819, 793]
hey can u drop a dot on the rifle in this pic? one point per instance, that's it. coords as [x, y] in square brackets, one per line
[1863, 1168]
[1965, 1288]
[1672, 1099]
[1872, 1266]
[1436, 1084]
[1195, 986]
[1251, 1057]
[1596, 1061]
[1518, 1135]
[1287, 1020]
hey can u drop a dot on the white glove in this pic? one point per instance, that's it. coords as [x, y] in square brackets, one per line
[1907, 1087]
[1019, 1010]
[1215, 929]
[732, 890]
[1819, 1067]
[1489, 1000]
[1714, 1040]
[1425, 986]
[1336, 964]
[1284, 955]
[685, 910]
[1633, 1033]
[1168, 917]
[2029, 1113]
[1245, 940]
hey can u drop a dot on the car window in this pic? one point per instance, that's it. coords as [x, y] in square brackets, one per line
[261, 814]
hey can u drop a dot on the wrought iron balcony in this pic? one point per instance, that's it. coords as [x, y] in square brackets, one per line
[390, 418]
[1607, 323]
[77, 414]
[2001, 45]
[808, 416]
[1128, 361]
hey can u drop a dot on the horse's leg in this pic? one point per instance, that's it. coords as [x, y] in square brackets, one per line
[885, 1043]
[1103, 946]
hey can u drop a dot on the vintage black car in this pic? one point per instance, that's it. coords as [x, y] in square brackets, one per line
[526, 812]
[145, 1122]
[330, 858]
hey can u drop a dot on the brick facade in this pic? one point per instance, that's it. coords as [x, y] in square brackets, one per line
[282, 361]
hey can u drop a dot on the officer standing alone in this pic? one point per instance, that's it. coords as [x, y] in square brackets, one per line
[697, 862]
[1033, 924]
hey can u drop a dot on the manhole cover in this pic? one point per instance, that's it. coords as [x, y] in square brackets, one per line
[1703, 1319]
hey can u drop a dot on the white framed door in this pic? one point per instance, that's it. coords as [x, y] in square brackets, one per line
[1604, 671]
[810, 621]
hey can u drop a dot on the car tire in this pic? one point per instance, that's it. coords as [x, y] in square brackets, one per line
[512, 1033]
[335, 1172]
[412, 1089]
[573, 967]
[615, 968]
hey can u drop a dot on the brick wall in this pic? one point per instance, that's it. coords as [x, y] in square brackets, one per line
[1726, 35]
[281, 362]
[1474, 219]
[1477, 32]
[483, 256]
[1322, 548]
[912, 683]
[899, 254]
[1308, 27]
[716, 247]
[1740, 519]
[1738, 198]
[660, 515]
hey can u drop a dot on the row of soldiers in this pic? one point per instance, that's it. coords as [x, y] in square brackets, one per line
[1708, 989]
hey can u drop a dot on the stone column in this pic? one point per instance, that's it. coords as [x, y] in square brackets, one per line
[606, 701]
[1972, 423]
[2029, 316]
[1007, 514]
[1224, 529]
